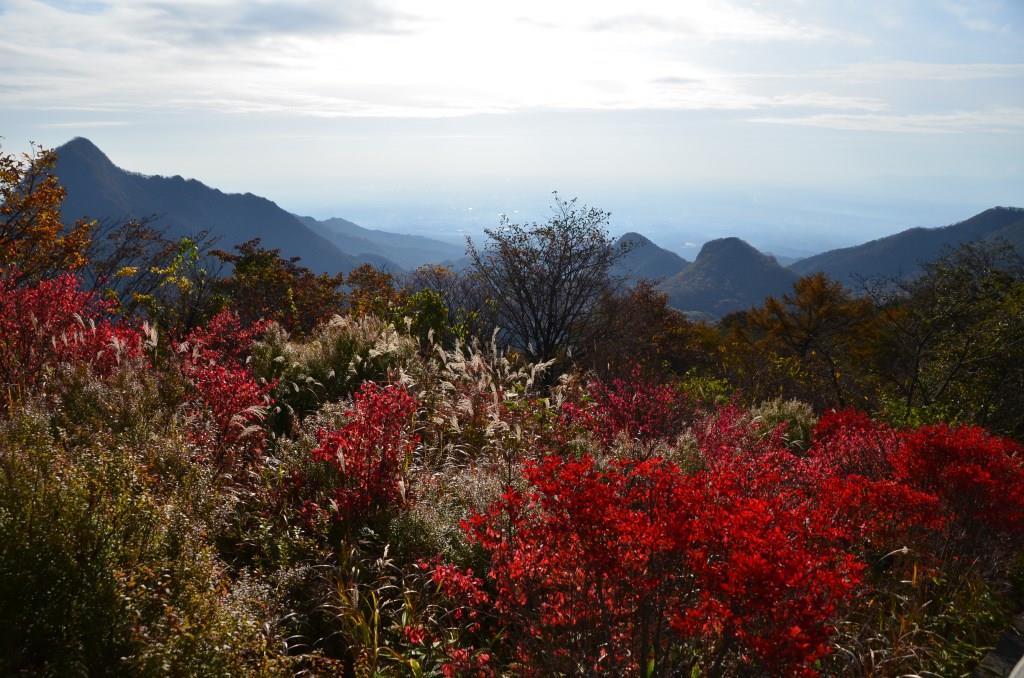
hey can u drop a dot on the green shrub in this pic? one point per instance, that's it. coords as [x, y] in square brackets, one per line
[104, 563]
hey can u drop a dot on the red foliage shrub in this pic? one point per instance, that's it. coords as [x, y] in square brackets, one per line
[460, 585]
[463, 662]
[54, 321]
[749, 561]
[609, 569]
[225, 339]
[974, 478]
[576, 558]
[978, 477]
[727, 437]
[639, 409]
[850, 442]
[215, 366]
[769, 576]
[369, 452]
[874, 517]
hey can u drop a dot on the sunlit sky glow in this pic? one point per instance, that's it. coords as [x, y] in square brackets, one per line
[798, 124]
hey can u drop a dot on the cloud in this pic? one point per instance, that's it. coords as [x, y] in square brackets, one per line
[718, 21]
[925, 71]
[211, 23]
[895, 71]
[996, 120]
[445, 58]
[674, 81]
[82, 124]
[975, 16]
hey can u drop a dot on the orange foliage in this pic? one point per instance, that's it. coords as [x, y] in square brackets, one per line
[32, 234]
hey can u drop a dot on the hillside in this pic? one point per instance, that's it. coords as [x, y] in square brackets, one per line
[728, 275]
[98, 189]
[645, 260]
[902, 254]
[408, 251]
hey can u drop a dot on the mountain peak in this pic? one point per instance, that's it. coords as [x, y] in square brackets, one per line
[634, 239]
[97, 189]
[731, 247]
[81, 145]
[81, 142]
[82, 151]
[642, 259]
[728, 275]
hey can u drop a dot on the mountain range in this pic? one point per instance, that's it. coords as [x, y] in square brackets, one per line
[902, 254]
[408, 251]
[728, 274]
[98, 189]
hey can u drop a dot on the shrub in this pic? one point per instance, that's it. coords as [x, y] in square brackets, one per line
[215, 363]
[370, 453]
[53, 322]
[103, 564]
[636, 568]
[979, 477]
[328, 366]
[634, 408]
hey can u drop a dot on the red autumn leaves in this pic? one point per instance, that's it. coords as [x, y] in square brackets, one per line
[54, 322]
[370, 451]
[599, 558]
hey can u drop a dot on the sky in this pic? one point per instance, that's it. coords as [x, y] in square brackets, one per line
[796, 124]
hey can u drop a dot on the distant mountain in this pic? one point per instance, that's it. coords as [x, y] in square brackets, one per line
[903, 253]
[783, 259]
[728, 275]
[98, 189]
[645, 260]
[408, 251]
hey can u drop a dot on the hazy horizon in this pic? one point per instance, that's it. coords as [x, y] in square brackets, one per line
[797, 126]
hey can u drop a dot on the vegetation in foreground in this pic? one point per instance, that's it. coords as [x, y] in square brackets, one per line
[270, 472]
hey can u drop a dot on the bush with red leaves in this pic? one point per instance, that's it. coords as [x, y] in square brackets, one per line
[215, 364]
[370, 452]
[616, 569]
[636, 408]
[978, 477]
[225, 339]
[54, 321]
[850, 442]
[746, 563]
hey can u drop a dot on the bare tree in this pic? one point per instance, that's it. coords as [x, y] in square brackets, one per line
[544, 279]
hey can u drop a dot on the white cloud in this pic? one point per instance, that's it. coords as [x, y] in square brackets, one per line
[82, 124]
[974, 16]
[923, 71]
[896, 71]
[400, 58]
[997, 120]
[407, 58]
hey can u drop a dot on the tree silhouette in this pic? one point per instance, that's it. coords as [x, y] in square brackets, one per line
[544, 279]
